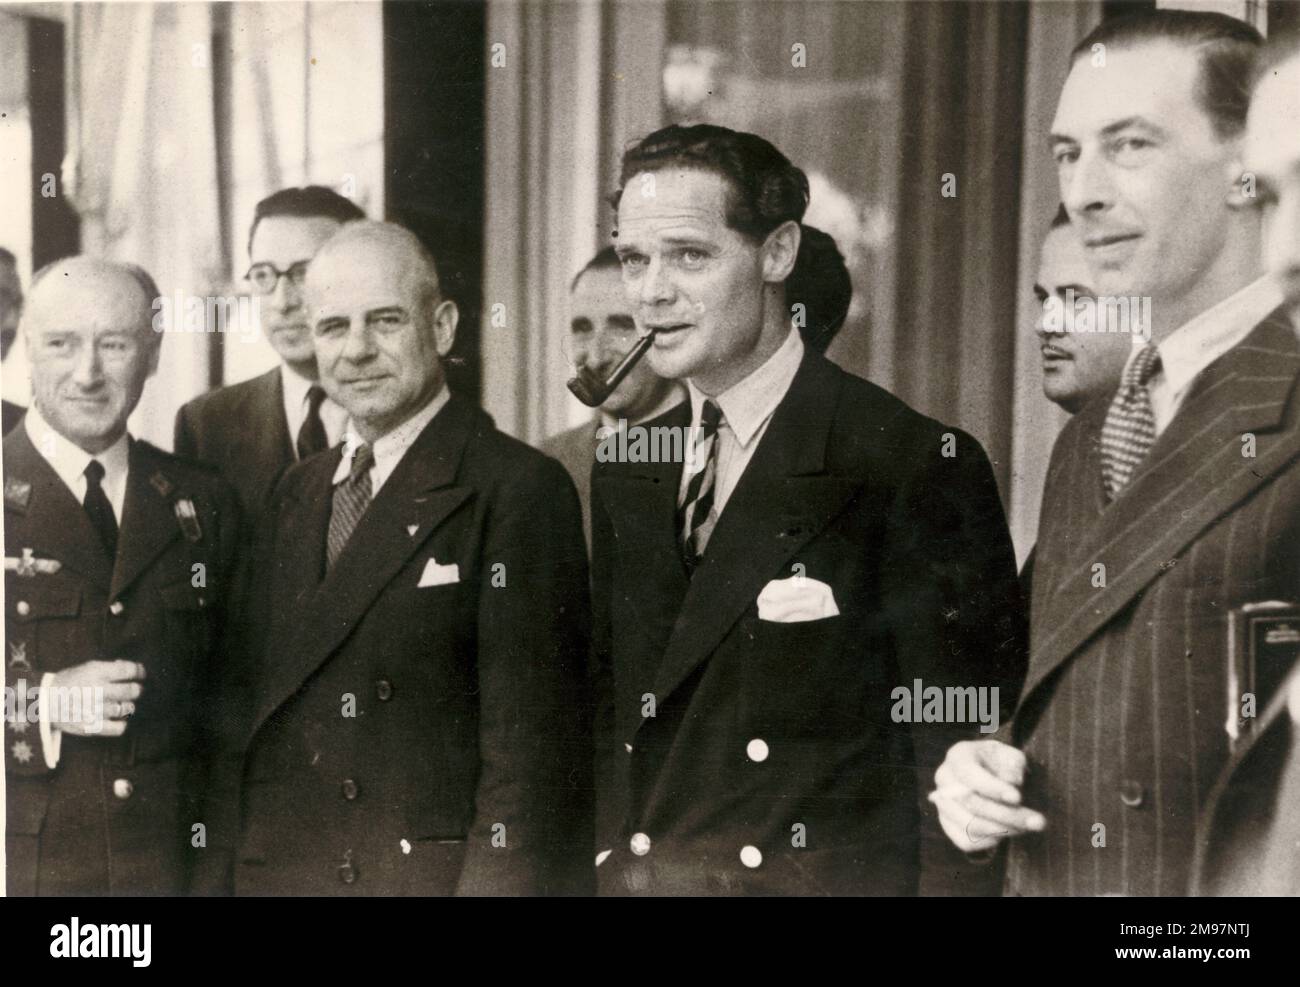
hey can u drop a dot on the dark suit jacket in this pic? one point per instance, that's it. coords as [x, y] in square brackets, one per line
[467, 765]
[241, 431]
[13, 414]
[851, 485]
[575, 450]
[1250, 834]
[116, 814]
[1123, 711]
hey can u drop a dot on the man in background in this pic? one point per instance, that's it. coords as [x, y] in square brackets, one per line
[601, 332]
[254, 430]
[1077, 365]
[1252, 826]
[11, 309]
[1080, 361]
[118, 572]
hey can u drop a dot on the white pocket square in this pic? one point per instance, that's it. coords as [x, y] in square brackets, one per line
[438, 575]
[788, 601]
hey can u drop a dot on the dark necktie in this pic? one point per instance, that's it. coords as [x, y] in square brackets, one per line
[1130, 427]
[351, 498]
[98, 509]
[695, 507]
[311, 436]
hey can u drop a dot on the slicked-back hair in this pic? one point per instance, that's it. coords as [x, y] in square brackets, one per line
[766, 190]
[1229, 51]
[308, 202]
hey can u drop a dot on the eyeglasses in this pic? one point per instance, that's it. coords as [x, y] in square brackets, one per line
[264, 277]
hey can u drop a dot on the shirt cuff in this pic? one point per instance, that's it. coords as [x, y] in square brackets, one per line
[51, 736]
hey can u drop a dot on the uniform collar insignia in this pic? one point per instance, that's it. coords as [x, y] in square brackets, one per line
[17, 493]
[160, 483]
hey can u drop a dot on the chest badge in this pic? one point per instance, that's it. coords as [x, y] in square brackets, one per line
[188, 518]
[28, 566]
[17, 493]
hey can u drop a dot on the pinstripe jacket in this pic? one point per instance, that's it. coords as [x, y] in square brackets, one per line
[1123, 711]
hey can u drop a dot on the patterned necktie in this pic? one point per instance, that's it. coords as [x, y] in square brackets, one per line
[351, 498]
[98, 509]
[311, 436]
[1130, 426]
[695, 519]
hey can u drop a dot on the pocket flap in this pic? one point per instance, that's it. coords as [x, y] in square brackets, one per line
[36, 602]
[183, 596]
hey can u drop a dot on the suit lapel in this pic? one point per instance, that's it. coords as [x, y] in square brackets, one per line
[277, 444]
[783, 500]
[420, 492]
[641, 501]
[53, 520]
[149, 522]
[1194, 474]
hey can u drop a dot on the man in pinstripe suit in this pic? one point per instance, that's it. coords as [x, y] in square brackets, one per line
[1166, 505]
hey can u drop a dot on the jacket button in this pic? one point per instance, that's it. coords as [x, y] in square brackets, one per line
[116, 608]
[123, 788]
[23, 608]
[756, 749]
[627, 747]
[751, 856]
[347, 872]
[1131, 794]
[640, 844]
[384, 690]
[350, 789]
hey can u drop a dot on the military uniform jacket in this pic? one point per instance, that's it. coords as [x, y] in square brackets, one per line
[420, 720]
[116, 815]
[740, 755]
[1122, 716]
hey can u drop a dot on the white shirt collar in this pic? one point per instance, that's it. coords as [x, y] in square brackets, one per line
[296, 388]
[69, 460]
[1197, 343]
[749, 403]
[389, 448]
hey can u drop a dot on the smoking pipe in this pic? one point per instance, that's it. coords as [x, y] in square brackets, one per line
[593, 391]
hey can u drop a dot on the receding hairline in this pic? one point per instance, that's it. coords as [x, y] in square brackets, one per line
[97, 267]
[370, 233]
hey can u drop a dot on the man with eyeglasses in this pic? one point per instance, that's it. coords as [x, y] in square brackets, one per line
[254, 430]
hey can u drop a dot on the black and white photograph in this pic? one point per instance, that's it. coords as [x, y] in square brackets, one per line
[652, 448]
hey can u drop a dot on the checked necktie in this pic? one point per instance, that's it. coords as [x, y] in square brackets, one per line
[1130, 426]
[311, 436]
[351, 498]
[695, 518]
[98, 509]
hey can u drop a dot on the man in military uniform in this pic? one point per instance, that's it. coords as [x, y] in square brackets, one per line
[116, 569]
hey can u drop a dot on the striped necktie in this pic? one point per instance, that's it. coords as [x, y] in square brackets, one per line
[1130, 427]
[695, 517]
[351, 498]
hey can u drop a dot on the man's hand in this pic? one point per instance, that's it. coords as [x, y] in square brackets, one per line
[93, 699]
[977, 792]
